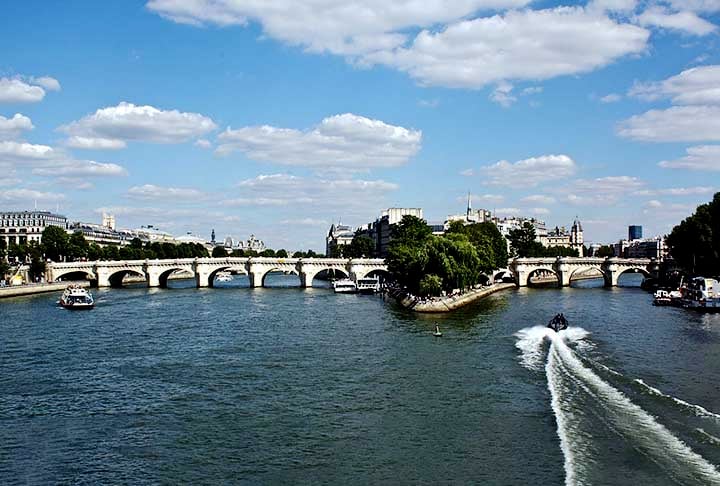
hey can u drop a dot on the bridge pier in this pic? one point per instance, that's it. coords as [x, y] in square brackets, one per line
[153, 276]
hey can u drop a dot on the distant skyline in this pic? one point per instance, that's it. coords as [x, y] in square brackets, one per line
[278, 118]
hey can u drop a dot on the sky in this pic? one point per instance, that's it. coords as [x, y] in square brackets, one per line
[279, 117]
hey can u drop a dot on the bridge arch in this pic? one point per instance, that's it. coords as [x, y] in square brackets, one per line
[284, 270]
[574, 275]
[116, 278]
[233, 268]
[366, 271]
[74, 274]
[165, 275]
[633, 269]
[502, 273]
[545, 273]
[311, 273]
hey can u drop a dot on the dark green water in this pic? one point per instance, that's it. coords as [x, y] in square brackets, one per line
[282, 385]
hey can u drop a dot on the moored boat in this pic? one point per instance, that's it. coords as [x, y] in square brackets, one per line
[702, 294]
[368, 285]
[345, 286]
[77, 298]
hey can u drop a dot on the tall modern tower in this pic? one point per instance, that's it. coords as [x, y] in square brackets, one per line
[634, 232]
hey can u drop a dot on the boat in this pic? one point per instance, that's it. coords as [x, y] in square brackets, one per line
[345, 286]
[368, 285]
[437, 332]
[702, 294]
[75, 297]
[558, 323]
[662, 297]
[224, 277]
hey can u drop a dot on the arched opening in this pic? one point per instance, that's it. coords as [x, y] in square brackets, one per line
[382, 275]
[591, 277]
[127, 277]
[503, 276]
[177, 278]
[543, 277]
[229, 277]
[76, 276]
[325, 278]
[632, 277]
[281, 278]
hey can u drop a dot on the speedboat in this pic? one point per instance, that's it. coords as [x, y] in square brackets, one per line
[437, 332]
[75, 297]
[224, 277]
[558, 323]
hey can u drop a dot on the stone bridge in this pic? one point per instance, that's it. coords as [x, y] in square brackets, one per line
[566, 267]
[204, 270]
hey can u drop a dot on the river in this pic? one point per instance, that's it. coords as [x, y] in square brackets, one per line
[286, 386]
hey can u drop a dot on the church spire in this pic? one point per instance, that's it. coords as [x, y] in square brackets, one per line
[469, 205]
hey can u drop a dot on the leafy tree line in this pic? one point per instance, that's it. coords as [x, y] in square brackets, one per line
[695, 242]
[219, 252]
[523, 244]
[426, 264]
[361, 246]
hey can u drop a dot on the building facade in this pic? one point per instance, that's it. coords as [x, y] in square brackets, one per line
[642, 248]
[22, 227]
[338, 235]
[634, 232]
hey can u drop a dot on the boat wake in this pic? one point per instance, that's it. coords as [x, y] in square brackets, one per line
[580, 398]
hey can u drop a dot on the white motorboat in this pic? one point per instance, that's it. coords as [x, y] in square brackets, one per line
[77, 298]
[368, 285]
[345, 286]
[224, 277]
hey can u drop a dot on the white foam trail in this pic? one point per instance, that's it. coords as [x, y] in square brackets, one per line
[529, 343]
[648, 436]
[699, 411]
[713, 440]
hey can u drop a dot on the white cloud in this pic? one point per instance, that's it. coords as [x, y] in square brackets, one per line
[679, 191]
[529, 172]
[612, 5]
[129, 122]
[675, 124]
[524, 44]
[15, 90]
[352, 28]
[28, 195]
[702, 157]
[294, 191]
[306, 222]
[429, 103]
[81, 168]
[95, 143]
[539, 199]
[507, 211]
[611, 98]
[502, 94]
[697, 86]
[203, 143]
[13, 127]
[50, 84]
[685, 21]
[708, 6]
[11, 151]
[150, 192]
[341, 141]
[653, 203]
[538, 211]
[467, 172]
[480, 199]
[608, 185]
[532, 90]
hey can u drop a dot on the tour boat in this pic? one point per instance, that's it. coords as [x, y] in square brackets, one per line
[702, 294]
[345, 286]
[76, 297]
[666, 297]
[224, 277]
[368, 285]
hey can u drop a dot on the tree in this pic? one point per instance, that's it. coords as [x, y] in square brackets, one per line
[37, 264]
[238, 253]
[522, 241]
[55, 242]
[77, 246]
[695, 242]
[267, 252]
[410, 229]
[219, 252]
[362, 246]
[430, 285]
[299, 254]
[605, 251]
[94, 252]
[281, 253]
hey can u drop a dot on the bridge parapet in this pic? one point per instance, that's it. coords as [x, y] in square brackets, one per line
[564, 267]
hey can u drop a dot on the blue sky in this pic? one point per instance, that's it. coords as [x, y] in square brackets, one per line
[279, 117]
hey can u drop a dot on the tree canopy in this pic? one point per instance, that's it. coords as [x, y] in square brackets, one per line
[695, 242]
[523, 244]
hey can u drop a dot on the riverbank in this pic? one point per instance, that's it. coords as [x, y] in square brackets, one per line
[447, 304]
[31, 289]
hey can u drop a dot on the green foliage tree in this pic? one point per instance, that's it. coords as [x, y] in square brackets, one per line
[55, 242]
[410, 229]
[219, 252]
[299, 254]
[281, 253]
[695, 242]
[94, 252]
[267, 252]
[430, 285]
[37, 263]
[605, 251]
[522, 241]
[362, 246]
[77, 246]
[238, 253]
